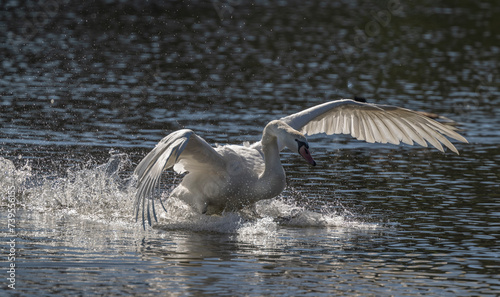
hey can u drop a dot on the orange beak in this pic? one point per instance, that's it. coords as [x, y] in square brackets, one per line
[304, 152]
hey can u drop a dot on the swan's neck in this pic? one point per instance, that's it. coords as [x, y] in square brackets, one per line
[272, 180]
[271, 156]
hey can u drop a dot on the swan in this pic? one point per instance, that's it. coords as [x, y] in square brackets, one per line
[229, 177]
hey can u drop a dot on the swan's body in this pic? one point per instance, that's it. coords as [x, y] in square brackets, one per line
[233, 176]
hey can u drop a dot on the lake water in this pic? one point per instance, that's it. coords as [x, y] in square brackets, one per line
[88, 88]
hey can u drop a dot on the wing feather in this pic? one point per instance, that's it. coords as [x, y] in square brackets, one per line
[374, 123]
[386, 135]
[368, 135]
[355, 125]
[409, 133]
[182, 146]
[371, 128]
[337, 127]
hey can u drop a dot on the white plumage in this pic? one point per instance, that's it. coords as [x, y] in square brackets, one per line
[233, 176]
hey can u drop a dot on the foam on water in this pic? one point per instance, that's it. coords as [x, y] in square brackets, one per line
[105, 194]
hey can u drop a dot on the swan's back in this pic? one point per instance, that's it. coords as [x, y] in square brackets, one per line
[226, 189]
[242, 160]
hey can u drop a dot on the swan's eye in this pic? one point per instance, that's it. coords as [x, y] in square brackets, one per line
[301, 143]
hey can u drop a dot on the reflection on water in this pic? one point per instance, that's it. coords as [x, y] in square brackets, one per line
[87, 89]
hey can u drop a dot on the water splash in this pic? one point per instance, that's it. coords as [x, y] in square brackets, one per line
[263, 218]
[105, 194]
[12, 180]
[95, 192]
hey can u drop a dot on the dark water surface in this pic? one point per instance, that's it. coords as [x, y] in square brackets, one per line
[87, 89]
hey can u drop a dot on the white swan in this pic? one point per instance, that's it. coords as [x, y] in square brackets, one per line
[232, 176]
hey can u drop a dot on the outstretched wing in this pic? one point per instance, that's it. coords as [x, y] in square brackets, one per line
[182, 146]
[373, 123]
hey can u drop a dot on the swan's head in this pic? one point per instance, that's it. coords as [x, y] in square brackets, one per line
[289, 137]
[296, 141]
[303, 149]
